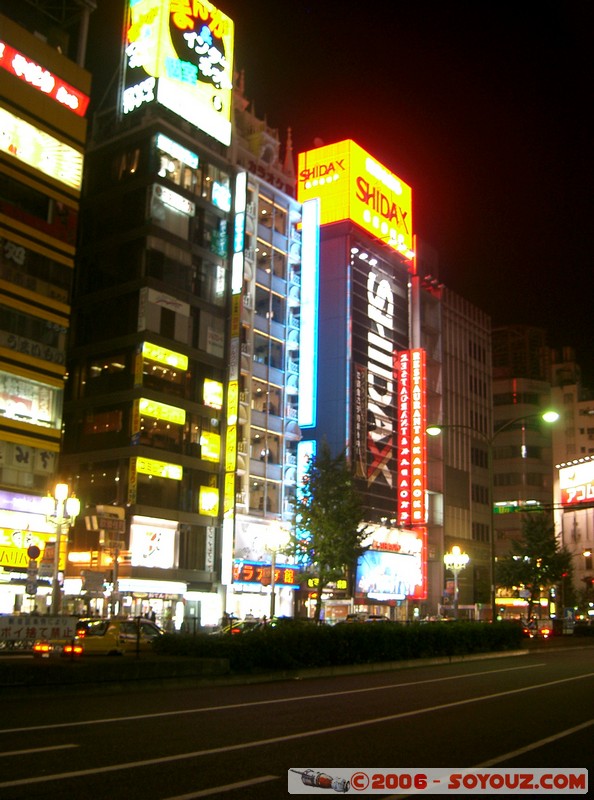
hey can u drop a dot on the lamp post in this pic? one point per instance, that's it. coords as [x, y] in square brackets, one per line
[277, 540]
[456, 561]
[62, 510]
[436, 430]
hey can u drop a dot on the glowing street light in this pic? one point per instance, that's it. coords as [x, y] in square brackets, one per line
[456, 561]
[61, 511]
[436, 430]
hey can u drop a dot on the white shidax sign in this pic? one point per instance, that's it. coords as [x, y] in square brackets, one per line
[380, 391]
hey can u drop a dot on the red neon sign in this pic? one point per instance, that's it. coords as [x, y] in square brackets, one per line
[412, 447]
[42, 79]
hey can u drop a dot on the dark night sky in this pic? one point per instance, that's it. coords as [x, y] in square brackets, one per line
[483, 107]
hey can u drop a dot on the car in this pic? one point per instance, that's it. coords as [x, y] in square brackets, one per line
[237, 626]
[60, 640]
[538, 629]
[114, 636]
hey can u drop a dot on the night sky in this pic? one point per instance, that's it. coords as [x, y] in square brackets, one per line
[484, 108]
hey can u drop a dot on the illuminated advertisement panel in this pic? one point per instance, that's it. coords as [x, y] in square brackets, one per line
[412, 445]
[577, 484]
[256, 572]
[159, 469]
[181, 56]
[152, 408]
[394, 566]
[153, 545]
[379, 327]
[39, 150]
[164, 356]
[308, 332]
[42, 79]
[352, 185]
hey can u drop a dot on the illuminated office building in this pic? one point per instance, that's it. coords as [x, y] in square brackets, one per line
[181, 415]
[363, 380]
[44, 93]
[149, 427]
[270, 337]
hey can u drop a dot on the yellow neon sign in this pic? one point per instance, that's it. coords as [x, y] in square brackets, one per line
[164, 356]
[159, 469]
[208, 501]
[162, 411]
[353, 185]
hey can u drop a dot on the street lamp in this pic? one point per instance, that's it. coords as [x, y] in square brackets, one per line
[277, 539]
[436, 430]
[456, 561]
[61, 511]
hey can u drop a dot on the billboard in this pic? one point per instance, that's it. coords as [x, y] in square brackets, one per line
[394, 566]
[379, 328]
[577, 484]
[181, 56]
[42, 79]
[352, 185]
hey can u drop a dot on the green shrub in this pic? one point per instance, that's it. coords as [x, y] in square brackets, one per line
[295, 646]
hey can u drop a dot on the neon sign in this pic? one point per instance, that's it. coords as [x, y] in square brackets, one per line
[257, 572]
[40, 150]
[43, 80]
[412, 448]
[353, 185]
[577, 484]
[180, 54]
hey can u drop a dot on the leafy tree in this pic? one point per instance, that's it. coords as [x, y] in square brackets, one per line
[328, 520]
[536, 560]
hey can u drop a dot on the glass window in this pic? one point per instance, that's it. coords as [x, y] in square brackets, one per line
[265, 212]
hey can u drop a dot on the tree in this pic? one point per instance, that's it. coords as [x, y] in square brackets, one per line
[328, 527]
[536, 560]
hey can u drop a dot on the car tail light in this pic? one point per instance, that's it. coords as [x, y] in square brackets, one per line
[545, 632]
[72, 650]
[41, 647]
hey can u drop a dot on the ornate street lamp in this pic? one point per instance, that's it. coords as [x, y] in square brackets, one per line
[436, 430]
[456, 561]
[61, 511]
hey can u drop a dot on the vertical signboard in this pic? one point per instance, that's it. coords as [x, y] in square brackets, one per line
[412, 447]
[377, 323]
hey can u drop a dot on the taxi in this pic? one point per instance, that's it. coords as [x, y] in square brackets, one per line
[111, 637]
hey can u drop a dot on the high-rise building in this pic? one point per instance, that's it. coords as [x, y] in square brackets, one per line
[364, 366]
[44, 93]
[181, 416]
[270, 338]
[462, 450]
[573, 455]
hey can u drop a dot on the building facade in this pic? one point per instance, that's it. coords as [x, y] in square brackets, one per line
[44, 94]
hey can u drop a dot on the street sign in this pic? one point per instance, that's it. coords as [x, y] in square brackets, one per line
[33, 552]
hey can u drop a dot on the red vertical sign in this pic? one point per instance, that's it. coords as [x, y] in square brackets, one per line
[412, 450]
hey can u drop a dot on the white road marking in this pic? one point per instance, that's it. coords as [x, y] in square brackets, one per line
[273, 701]
[36, 750]
[535, 745]
[283, 739]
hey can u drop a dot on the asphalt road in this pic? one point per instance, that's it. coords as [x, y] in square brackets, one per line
[239, 741]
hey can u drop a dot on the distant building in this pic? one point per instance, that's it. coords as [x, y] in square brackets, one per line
[573, 453]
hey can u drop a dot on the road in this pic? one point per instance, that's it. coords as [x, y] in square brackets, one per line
[230, 741]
